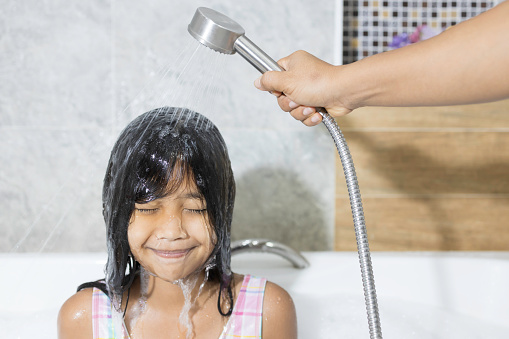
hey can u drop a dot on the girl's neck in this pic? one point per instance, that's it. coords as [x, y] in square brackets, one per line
[162, 293]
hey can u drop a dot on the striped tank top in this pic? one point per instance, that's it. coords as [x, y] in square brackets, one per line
[245, 321]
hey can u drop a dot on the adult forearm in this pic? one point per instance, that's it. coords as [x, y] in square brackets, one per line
[468, 63]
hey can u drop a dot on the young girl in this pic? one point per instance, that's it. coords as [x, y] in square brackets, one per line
[168, 202]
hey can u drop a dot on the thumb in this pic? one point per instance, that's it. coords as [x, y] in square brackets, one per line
[272, 81]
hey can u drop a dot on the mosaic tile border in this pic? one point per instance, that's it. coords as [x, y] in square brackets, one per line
[369, 26]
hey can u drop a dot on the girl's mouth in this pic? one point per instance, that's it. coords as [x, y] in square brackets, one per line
[174, 254]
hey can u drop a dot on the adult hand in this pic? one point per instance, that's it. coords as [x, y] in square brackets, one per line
[308, 82]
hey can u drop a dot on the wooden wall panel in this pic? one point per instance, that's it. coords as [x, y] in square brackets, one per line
[492, 115]
[430, 178]
[429, 162]
[428, 223]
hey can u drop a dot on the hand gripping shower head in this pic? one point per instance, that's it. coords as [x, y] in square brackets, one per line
[217, 31]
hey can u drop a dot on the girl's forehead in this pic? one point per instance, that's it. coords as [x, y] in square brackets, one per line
[187, 193]
[183, 188]
[182, 193]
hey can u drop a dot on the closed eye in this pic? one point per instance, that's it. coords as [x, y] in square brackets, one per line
[197, 211]
[147, 210]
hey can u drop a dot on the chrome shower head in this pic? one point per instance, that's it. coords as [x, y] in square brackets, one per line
[217, 31]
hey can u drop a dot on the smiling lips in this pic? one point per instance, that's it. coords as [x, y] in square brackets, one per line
[175, 254]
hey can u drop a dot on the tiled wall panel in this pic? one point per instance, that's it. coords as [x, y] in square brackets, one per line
[73, 74]
[369, 26]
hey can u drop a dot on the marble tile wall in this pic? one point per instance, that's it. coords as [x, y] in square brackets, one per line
[74, 73]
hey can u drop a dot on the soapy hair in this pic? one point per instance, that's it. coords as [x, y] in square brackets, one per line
[152, 157]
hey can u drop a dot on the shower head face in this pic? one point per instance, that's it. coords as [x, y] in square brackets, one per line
[215, 30]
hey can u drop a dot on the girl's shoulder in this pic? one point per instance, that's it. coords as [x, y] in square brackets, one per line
[277, 300]
[75, 316]
[279, 315]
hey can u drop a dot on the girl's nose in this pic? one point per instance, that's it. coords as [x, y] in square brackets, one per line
[170, 228]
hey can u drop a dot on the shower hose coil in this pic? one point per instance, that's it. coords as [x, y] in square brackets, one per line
[368, 280]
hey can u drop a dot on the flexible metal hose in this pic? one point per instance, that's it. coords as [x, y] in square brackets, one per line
[368, 280]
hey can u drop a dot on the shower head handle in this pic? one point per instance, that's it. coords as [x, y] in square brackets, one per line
[255, 56]
[261, 61]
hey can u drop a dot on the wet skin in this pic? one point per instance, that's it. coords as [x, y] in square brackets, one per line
[170, 236]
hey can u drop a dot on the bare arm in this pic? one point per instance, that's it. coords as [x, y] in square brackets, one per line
[468, 63]
[279, 317]
[75, 316]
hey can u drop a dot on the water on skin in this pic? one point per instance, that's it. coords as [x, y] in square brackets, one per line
[141, 305]
[207, 270]
[187, 286]
[184, 319]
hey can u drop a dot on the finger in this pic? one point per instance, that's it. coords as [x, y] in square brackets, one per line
[271, 81]
[313, 120]
[284, 62]
[286, 104]
[338, 111]
[301, 113]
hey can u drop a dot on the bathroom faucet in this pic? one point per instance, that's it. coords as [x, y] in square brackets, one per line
[270, 246]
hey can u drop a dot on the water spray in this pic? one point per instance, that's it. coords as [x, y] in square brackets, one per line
[222, 34]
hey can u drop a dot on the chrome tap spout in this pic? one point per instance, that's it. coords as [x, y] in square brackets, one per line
[270, 246]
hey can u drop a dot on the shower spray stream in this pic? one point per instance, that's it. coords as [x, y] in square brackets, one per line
[224, 35]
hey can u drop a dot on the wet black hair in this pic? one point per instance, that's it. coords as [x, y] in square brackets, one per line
[154, 154]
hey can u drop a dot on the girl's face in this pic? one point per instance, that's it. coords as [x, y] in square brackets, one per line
[171, 236]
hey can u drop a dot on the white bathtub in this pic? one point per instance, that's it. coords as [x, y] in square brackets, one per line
[420, 295]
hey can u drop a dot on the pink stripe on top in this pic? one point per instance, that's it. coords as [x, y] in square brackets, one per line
[246, 318]
[107, 323]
